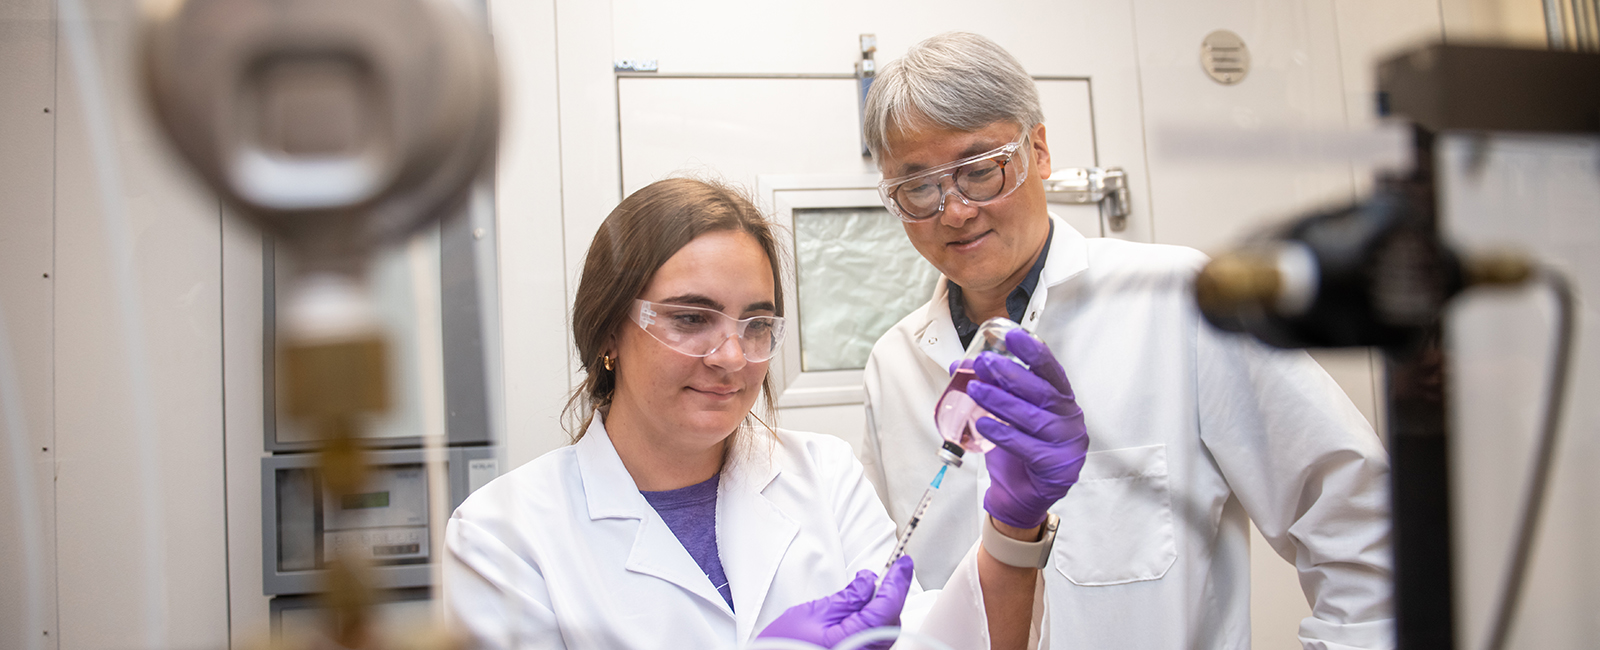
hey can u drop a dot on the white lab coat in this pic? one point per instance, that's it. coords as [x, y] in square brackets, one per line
[564, 552]
[1191, 430]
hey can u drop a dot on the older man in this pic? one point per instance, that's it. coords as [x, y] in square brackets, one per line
[1193, 432]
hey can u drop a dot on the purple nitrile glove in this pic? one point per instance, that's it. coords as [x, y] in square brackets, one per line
[826, 621]
[1038, 455]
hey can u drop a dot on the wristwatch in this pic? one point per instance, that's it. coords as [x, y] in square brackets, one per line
[1017, 553]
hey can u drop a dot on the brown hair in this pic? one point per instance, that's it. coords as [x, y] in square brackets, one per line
[636, 239]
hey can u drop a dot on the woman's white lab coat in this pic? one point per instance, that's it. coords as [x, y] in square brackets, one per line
[564, 552]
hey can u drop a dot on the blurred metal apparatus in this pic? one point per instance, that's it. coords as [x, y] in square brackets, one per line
[1375, 272]
[338, 127]
[1479, 88]
[1369, 274]
[1378, 274]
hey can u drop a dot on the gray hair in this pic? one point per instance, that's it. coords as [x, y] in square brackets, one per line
[955, 80]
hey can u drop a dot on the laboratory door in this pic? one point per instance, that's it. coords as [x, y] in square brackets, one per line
[772, 107]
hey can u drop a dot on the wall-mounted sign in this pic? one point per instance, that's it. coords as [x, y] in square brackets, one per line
[1224, 57]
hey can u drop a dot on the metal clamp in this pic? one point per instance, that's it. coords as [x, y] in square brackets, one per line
[866, 71]
[1107, 187]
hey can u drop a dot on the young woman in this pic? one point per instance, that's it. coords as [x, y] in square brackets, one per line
[678, 518]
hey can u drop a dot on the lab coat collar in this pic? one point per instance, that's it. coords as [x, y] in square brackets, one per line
[744, 513]
[1068, 256]
[608, 488]
[938, 338]
[763, 531]
[610, 493]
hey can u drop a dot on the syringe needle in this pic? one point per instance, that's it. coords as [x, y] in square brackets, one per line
[916, 518]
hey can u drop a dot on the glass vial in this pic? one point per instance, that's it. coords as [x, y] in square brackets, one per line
[956, 415]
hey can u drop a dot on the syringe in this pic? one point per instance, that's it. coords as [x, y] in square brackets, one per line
[916, 518]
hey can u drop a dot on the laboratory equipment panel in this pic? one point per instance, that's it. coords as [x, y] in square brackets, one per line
[304, 526]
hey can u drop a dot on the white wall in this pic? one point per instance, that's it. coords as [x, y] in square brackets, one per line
[534, 187]
[105, 591]
[27, 267]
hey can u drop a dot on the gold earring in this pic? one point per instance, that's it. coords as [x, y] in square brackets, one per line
[607, 360]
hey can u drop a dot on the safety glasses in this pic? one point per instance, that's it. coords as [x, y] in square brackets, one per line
[978, 180]
[699, 331]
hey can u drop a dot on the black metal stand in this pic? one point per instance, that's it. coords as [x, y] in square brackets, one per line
[1419, 456]
[1441, 88]
[1419, 450]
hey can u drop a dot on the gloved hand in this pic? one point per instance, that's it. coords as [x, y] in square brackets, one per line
[1038, 455]
[827, 621]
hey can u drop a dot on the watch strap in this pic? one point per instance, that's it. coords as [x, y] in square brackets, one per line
[1017, 553]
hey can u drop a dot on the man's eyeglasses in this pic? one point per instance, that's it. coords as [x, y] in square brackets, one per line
[700, 331]
[978, 180]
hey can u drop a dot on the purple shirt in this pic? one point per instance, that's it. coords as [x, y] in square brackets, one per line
[691, 513]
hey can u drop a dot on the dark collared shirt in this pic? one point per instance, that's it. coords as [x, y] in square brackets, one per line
[1016, 301]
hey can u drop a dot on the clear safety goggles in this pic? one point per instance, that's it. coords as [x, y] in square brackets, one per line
[978, 180]
[700, 331]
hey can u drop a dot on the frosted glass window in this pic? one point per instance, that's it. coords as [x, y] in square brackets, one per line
[858, 276]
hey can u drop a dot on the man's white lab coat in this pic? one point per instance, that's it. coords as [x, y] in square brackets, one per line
[564, 552]
[1191, 430]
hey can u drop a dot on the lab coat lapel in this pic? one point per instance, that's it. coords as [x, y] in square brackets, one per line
[1069, 257]
[938, 339]
[753, 533]
[611, 494]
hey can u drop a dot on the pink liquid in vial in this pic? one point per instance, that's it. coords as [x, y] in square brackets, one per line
[956, 415]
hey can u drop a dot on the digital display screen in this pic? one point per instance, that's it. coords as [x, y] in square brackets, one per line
[366, 500]
[396, 549]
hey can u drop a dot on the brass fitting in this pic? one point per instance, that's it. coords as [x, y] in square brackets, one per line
[1236, 279]
[1501, 268]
